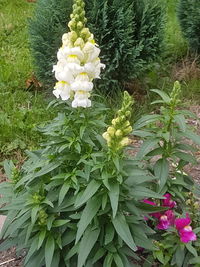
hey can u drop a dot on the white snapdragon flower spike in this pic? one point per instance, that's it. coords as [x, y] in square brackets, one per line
[78, 61]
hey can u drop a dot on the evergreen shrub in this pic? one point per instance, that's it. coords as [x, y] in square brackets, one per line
[129, 33]
[189, 18]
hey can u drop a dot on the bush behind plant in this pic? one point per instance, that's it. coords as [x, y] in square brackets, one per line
[129, 33]
[189, 18]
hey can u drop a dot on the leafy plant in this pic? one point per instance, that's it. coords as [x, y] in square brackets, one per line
[76, 201]
[189, 18]
[165, 136]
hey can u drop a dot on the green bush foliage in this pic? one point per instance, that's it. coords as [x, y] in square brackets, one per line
[129, 33]
[46, 27]
[189, 18]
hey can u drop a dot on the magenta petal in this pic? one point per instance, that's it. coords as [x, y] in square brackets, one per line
[170, 216]
[182, 222]
[167, 202]
[164, 223]
[188, 236]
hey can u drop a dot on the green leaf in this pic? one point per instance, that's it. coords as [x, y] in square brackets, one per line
[34, 212]
[114, 197]
[82, 130]
[63, 191]
[118, 260]
[88, 214]
[87, 243]
[42, 236]
[146, 147]
[159, 256]
[180, 120]
[8, 167]
[161, 170]
[195, 260]
[49, 251]
[145, 120]
[59, 223]
[194, 137]
[109, 234]
[99, 254]
[142, 192]
[91, 189]
[186, 157]
[179, 256]
[123, 231]
[32, 249]
[108, 260]
[163, 95]
[139, 179]
[191, 249]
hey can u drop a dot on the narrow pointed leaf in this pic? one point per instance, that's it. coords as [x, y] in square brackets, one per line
[123, 231]
[88, 214]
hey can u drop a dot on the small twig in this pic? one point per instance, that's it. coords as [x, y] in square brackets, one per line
[1, 264]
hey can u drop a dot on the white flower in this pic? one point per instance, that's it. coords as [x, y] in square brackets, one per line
[60, 55]
[74, 52]
[62, 73]
[81, 100]
[82, 85]
[62, 89]
[83, 76]
[91, 52]
[93, 69]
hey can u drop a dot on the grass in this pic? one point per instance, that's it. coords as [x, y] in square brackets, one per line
[20, 110]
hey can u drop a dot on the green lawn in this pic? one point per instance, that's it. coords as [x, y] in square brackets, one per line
[20, 110]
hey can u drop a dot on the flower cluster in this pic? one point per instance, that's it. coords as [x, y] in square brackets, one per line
[116, 135]
[167, 219]
[185, 230]
[78, 61]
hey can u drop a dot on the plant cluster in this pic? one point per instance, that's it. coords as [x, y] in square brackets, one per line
[189, 18]
[166, 153]
[82, 199]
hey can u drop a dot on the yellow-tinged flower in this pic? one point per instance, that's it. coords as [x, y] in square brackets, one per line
[125, 141]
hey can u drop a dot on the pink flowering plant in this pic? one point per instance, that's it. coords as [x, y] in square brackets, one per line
[176, 237]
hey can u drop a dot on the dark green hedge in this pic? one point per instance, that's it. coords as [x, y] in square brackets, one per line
[189, 18]
[129, 33]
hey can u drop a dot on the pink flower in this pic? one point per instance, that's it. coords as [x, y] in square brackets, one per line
[155, 214]
[166, 220]
[168, 202]
[185, 230]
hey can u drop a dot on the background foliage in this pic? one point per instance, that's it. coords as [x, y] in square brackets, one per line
[189, 17]
[129, 33]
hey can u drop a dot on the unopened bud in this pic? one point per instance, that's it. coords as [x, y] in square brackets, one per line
[128, 130]
[119, 133]
[126, 124]
[105, 136]
[111, 130]
[79, 42]
[125, 141]
[196, 205]
[79, 25]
